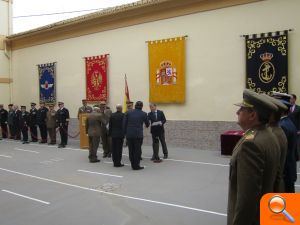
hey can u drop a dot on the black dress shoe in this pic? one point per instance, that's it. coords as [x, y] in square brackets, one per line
[138, 168]
[120, 165]
[94, 160]
[104, 156]
[157, 160]
[165, 156]
[61, 146]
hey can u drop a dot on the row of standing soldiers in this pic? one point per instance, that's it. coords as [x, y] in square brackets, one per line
[15, 122]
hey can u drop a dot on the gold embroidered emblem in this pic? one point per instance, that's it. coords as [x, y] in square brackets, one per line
[166, 74]
[266, 70]
[96, 80]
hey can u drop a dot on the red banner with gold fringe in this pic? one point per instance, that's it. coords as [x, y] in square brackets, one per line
[96, 78]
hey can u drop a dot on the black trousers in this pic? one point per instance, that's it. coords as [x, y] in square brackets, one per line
[43, 131]
[94, 142]
[63, 131]
[117, 148]
[135, 151]
[12, 131]
[155, 144]
[4, 130]
[33, 133]
[289, 186]
[25, 133]
[17, 129]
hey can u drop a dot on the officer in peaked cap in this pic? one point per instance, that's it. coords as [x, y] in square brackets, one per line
[292, 155]
[255, 160]
[3, 121]
[62, 121]
[281, 138]
[33, 122]
[84, 108]
[24, 121]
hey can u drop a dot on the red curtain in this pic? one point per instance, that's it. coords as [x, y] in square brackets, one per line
[96, 78]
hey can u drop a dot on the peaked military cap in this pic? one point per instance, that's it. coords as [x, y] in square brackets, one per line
[102, 103]
[10, 104]
[259, 103]
[32, 104]
[278, 103]
[60, 103]
[23, 106]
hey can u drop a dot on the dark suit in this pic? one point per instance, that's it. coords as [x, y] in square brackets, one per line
[133, 128]
[3, 122]
[158, 133]
[41, 120]
[290, 168]
[24, 120]
[253, 169]
[33, 124]
[62, 121]
[117, 135]
[294, 115]
[16, 124]
[10, 122]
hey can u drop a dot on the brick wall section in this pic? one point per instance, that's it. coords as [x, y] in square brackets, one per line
[203, 135]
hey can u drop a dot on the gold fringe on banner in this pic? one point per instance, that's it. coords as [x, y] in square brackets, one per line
[167, 70]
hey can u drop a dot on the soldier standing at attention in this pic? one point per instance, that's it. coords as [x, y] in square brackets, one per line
[84, 108]
[10, 122]
[3, 121]
[93, 130]
[106, 142]
[51, 124]
[62, 121]
[41, 120]
[24, 120]
[281, 138]
[255, 161]
[16, 122]
[33, 122]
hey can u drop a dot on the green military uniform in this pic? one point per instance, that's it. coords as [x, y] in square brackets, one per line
[281, 138]
[253, 167]
[51, 124]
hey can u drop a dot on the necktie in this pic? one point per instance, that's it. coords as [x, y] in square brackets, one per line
[155, 113]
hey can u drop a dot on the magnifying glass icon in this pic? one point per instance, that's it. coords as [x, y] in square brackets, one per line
[277, 205]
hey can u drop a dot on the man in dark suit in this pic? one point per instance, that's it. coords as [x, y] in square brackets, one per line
[33, 122]
[133, 127]
[255, 161]
[10, 122]
[3, 121]
[290, 167]
[41, 121]
[16, 122]
[117, 135]
[62, 121]
[24, 120]
[93, 130]
[294, 115]
[157, 119]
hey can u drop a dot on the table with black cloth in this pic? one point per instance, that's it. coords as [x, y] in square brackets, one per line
[229, 139]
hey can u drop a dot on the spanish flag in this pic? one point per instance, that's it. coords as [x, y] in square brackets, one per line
[126, 96]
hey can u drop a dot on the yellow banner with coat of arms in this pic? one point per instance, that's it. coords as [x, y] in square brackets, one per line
[167, 70]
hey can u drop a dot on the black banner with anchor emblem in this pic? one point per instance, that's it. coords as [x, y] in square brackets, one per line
[267, 62]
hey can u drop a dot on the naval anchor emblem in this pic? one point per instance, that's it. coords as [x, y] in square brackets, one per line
[266, 70]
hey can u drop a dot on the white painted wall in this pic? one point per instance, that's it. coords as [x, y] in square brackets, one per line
[5, 23]
[215, 59]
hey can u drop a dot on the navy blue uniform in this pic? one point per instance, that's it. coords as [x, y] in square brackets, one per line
[62, 121]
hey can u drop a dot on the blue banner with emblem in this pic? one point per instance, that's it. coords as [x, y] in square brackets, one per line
[267, 62]
[47, 82]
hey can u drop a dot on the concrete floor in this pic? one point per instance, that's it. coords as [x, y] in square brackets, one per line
[44, 185]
